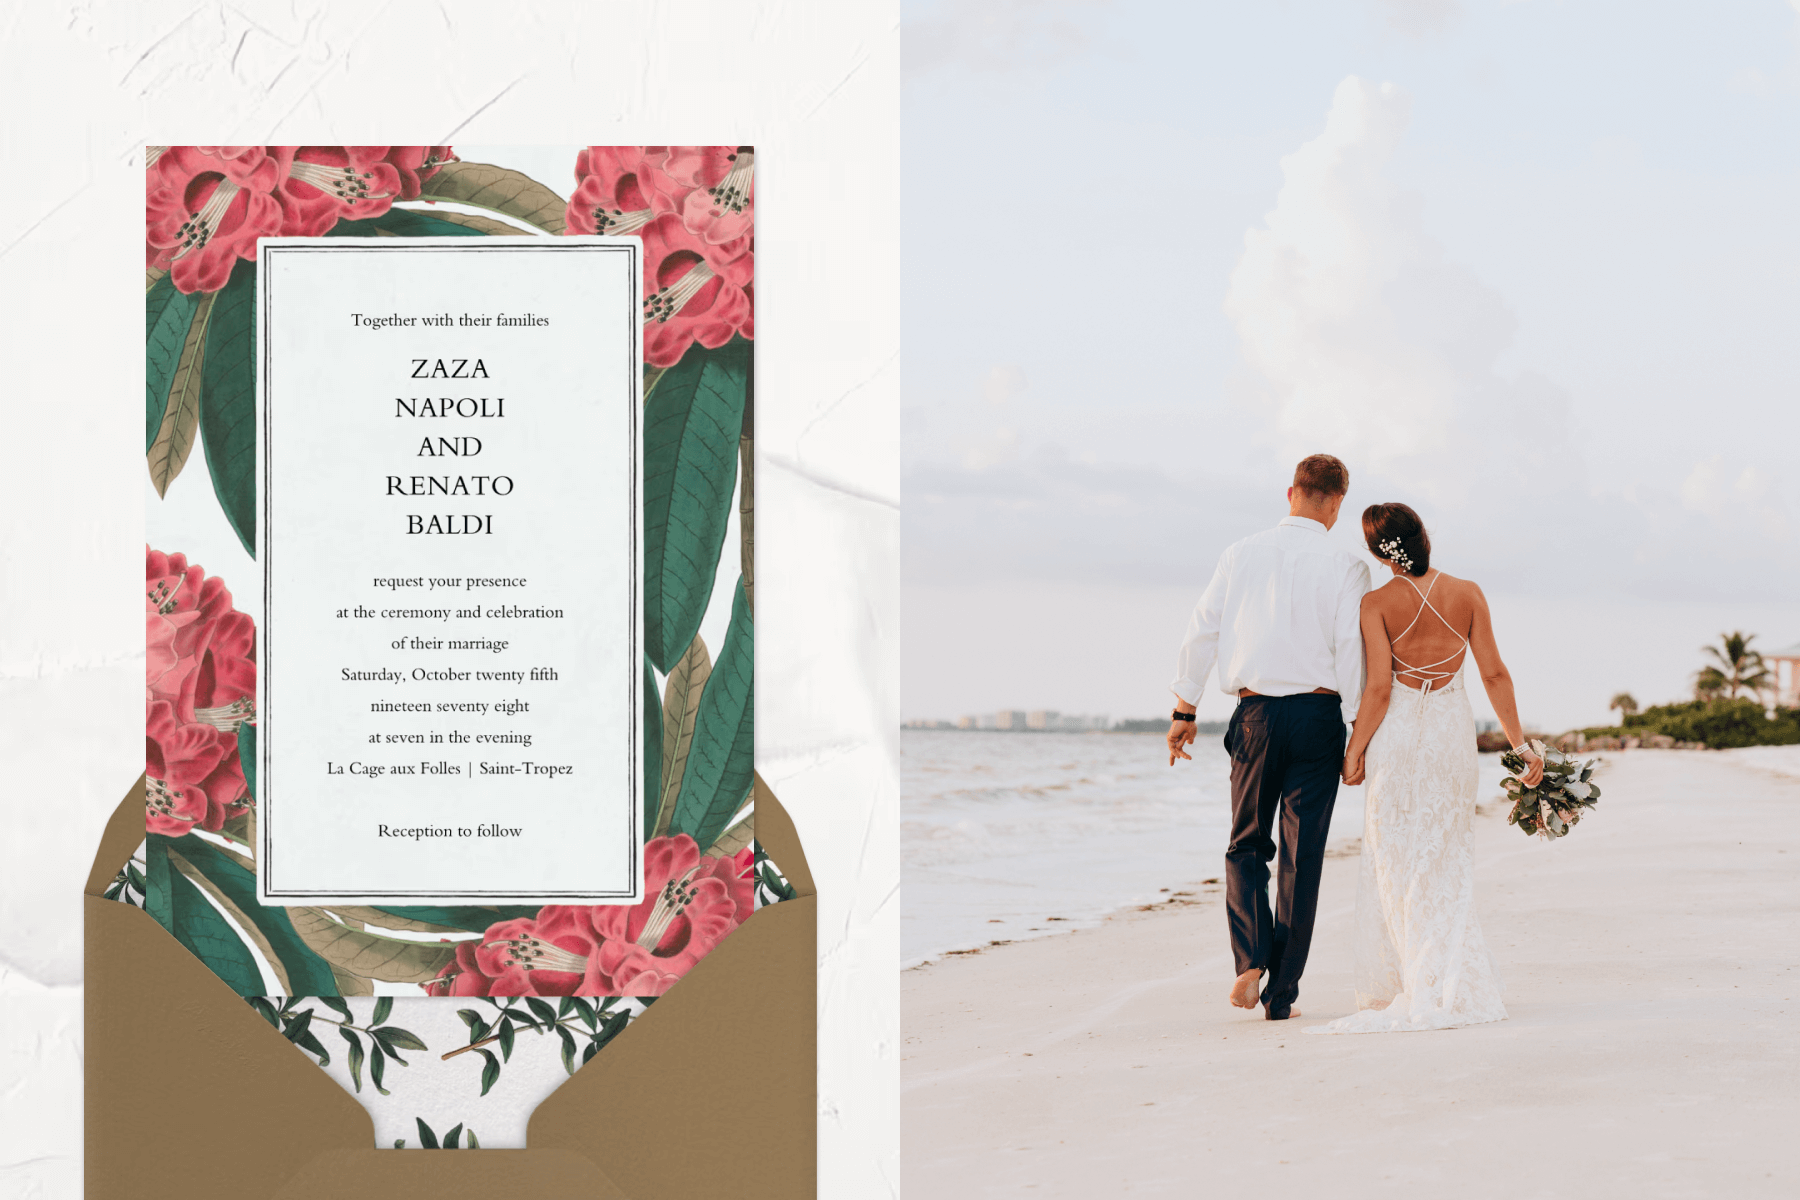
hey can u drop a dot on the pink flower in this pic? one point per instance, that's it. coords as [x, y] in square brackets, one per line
[620, 189]
[200, 685]
[205, 211]
[552, 955]
[416, 164]
[461, 976]
[720, 182]
[177, 757]
[694, 905]
[694, 290]
[322, 185]
[200, 651]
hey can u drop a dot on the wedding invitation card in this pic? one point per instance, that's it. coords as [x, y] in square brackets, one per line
[449, 502]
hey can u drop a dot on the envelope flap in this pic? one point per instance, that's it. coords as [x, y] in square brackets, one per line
[780, 840]
[124, 830]
[423, 1175]
[713, 1091]
[172, 1055]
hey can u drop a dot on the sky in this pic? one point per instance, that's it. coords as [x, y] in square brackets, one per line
[1532, 267]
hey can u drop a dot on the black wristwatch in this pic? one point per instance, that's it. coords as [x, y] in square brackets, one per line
[1178, 715]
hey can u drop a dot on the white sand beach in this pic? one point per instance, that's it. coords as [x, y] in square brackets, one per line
[1652, 963]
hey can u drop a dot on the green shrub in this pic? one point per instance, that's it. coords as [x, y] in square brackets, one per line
[1721, 724]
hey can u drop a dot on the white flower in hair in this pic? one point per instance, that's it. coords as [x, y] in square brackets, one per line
[1391, 551]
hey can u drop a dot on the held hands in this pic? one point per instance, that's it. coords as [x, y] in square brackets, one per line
[1181, 733]
[1353, 768]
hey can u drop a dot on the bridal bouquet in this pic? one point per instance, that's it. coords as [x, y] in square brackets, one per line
[1554, 806]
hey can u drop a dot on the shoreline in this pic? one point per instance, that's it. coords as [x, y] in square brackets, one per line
[1647, 1028]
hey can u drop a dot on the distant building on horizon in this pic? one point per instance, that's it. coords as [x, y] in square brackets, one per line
[1784, 666]
[1009, 718]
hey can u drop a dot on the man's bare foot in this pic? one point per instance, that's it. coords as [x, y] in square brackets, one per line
[1244, 991]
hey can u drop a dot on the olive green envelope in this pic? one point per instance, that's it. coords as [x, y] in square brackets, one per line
[191, 1094]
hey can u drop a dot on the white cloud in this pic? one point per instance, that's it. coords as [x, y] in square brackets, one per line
[1003, 382]
[1363, 336]
[1419, 17]
[1747, 497]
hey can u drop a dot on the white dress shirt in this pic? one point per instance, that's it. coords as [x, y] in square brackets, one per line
[1280, 617]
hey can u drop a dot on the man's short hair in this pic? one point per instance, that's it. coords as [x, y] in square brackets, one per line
[1321, 475]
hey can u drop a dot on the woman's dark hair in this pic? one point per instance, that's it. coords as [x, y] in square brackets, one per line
[1395, 533]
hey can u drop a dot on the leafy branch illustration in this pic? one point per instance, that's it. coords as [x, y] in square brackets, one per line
[128, 886]
[428, 1138]
[385, 1040]
[574, 1018]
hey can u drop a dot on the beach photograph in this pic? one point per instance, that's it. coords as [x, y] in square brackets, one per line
[1351, 599]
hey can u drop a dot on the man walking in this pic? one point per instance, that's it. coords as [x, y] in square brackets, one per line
[1280, 619]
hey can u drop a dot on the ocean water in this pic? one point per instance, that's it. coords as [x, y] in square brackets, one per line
[1000, 832]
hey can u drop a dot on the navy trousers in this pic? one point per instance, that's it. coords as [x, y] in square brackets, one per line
[1286, 752]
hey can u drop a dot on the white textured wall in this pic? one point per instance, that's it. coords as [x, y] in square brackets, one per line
[814, 85]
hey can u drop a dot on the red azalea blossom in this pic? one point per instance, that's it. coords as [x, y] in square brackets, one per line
[718, 206]
[552, 955]
[177, 757]
[620, 189]
[205, 211]
[694, 291]
[694, 905]
[416, 164]
[200, 685]
[461, 976]
[322, 185]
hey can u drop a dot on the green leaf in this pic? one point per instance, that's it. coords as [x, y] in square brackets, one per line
[369, 954]
[134, 877]
[247, 754]
[306, 974]
[265, 1009]
[158, 894]
[587, 1054]
[506, 1038]
[427, 1138]
[377, 1068]
[681, 708]
[491, 1072]
[541, 1010]
[473, 1144]
[469, 1016]
[181, 909]
[299, 1032]
[568, 1049]
[615, 1025]
[469, 918]
[393, 1035]
[404, 222]
[479, 1030]
[452, 1138]
[168, 315]
[174, 437]
[336, 1004]
[721, 765]
[383, 1007]
[564, 1007]
[652, 749]
[356, 1056]
[747, 502]
[691, 428]
[741, 834]
[498, 190]
[228, 401]
[585, 1010]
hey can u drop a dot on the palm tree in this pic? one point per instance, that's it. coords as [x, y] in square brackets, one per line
[1624, 703]
[1738, 666]
[1708, 684]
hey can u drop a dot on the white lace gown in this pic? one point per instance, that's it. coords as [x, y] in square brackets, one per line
[1421, 962]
